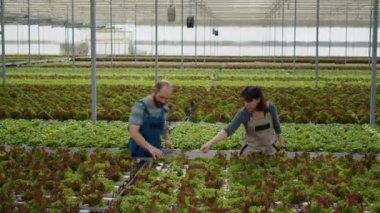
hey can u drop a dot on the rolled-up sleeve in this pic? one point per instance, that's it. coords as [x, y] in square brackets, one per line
[137, 114]
[275, 119]
[236, 122]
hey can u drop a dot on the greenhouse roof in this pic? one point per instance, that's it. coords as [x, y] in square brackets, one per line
[354, 13]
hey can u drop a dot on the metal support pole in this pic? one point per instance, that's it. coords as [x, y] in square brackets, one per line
[282, 33]
[240, 40]
[93, 60]
[330, 35]
[210, 38]
[111, 32]
[345, 45]
[317, 48]
[156, 44]
[125, 29]
[181, 35]
[295, 35]
[266, 44]
[204, 36]
[372, 119]
[196, 29]
[274, 38]
[269, 29]
[29, 31]
[370, 33]
[152, 40]
[217, 45]
[135, 51]
[18, 41]
[3, 75]
[270, 36]
[72, 37]
[163, 40]
[67, 34]
[215, 37]
[39, 42]
[125, 40]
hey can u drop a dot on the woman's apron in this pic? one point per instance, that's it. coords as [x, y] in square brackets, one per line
[259, 137]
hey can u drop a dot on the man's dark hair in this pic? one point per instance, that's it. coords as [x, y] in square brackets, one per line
[160, 84]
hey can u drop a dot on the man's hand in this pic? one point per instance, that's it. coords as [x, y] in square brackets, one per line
[156, 153]
[205, 147]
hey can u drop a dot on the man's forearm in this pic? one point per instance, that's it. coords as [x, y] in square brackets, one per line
[140, 140]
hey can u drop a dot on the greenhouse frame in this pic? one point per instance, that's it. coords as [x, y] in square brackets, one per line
[77, 79]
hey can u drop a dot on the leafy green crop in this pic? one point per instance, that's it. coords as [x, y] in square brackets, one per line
[188, 136]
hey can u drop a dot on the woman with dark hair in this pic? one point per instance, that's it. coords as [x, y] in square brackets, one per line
[261, 123]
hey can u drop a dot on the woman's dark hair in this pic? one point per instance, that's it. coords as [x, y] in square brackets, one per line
[254, 92]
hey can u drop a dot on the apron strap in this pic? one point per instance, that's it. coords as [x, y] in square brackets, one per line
[243, 148]
[145, 107]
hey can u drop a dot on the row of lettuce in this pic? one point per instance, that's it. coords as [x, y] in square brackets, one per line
[331, 104]
[190, 74]
[188, 77]
[40, 180]
[187, 136]
[259, 184]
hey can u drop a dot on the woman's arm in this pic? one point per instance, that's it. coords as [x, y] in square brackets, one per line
[281, 141]
[218, 137]
[277, 126]
[275, 118]
[239, 118]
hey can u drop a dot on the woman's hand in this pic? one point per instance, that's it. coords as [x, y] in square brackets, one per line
[205, 147]
[282, 150]
[218, 137]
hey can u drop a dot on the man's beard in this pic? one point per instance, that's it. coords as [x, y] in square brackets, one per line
[158, 103]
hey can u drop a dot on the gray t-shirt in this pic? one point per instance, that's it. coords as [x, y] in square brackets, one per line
[137, 113]
[243, 116]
